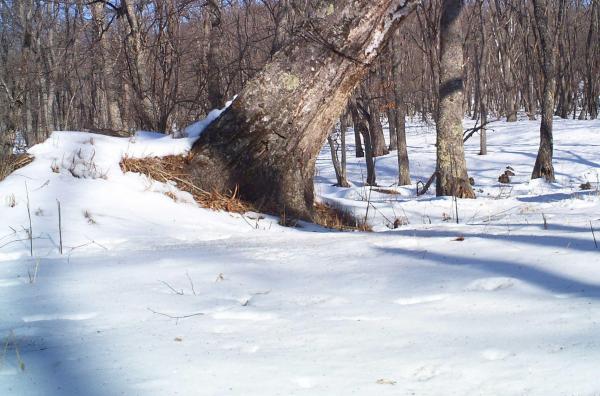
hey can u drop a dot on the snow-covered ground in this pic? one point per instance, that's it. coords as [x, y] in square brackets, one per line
[153, 296]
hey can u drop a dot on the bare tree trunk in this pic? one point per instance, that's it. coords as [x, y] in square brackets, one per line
[403, 164]
[358, 144]
[376, 130]
[108, 109]
[339, 165]
[343, 130]
[543, 163]
[136, 61]
[213, 32]
[359, 119]
[592, 63]
[266, 143]
[481, 62]
[400, 121]
[340, 174]
[452, 177]
[391, 117]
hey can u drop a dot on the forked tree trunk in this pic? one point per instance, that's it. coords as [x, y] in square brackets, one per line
[339, 165]
[452, 177]
[266, 143]
[376, 130]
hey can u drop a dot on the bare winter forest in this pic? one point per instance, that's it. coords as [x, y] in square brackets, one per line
[277, 197]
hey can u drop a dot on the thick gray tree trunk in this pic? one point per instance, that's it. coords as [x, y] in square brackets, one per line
[452, 177]
[266, 143]
[543, 163]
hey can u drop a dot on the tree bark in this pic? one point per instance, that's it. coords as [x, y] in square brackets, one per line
[452, 177]
[213, 33]
[339, 165]
[361, 125]
[376, 130]
[400, 113]
[543, 163]
[359, 152]
[592, 63]
[266, 143]
[481, 63]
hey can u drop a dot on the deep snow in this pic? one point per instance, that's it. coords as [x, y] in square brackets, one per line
[511, 309]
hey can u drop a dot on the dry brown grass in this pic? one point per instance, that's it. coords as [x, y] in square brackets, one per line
[10, 163]
[172, 168]
[338, 218]
[387, 191]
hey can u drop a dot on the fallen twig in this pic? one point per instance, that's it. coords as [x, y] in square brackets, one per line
[177, 318]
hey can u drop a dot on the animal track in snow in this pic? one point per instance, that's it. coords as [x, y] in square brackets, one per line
[244, 348]
[362, 318]
[490, 284]
[224, 330]
[43, 317]
[251, 316]
[495, 354]
[304, 382]
[9, 282]
[426, 372]
[421, 299]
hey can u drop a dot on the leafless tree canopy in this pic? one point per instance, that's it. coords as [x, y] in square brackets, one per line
[123, 65]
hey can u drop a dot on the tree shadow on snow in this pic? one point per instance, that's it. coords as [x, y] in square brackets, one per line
[541, 278]
[45, 333]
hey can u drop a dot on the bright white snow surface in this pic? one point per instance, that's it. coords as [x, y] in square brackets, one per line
[513, 309]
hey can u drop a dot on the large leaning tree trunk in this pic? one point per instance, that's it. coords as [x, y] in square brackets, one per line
[266, 143]
[543, 164]
[452, 178]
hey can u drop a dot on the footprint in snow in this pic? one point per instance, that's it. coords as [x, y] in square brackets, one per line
[421, 299]
[495, 354]
[6, 370]
[304, 382]
[249, 316]
[490, 284]
[249, 349]
[427, 372]
[10, 282]
[48, 317]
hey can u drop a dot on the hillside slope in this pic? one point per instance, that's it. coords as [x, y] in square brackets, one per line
[155, 296]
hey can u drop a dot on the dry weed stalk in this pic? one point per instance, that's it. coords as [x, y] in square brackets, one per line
[338, 218]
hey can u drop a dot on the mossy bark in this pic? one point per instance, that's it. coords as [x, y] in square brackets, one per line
[452, 178]
[266, 143]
